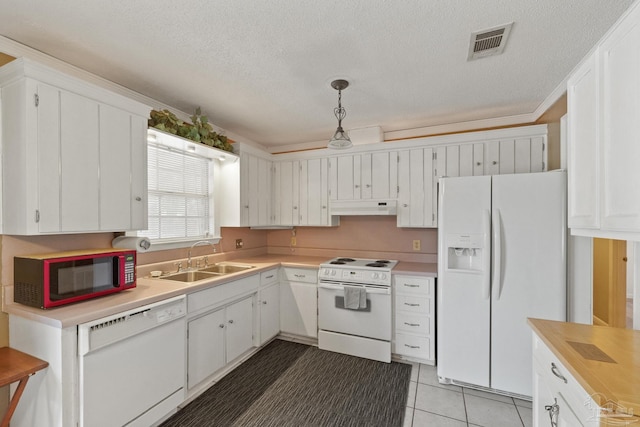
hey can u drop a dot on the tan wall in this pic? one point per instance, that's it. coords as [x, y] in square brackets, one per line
[360, 236]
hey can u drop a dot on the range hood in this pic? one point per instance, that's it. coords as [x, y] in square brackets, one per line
[363, 207]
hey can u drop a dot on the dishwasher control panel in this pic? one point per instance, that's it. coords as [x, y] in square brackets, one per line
[111, 329]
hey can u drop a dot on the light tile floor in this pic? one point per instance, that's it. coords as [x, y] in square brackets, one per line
[433, 404]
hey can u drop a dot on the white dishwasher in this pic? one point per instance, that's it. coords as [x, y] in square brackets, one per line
[132, 365]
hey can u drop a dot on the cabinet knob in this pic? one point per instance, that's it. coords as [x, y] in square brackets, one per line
[494, 162]
[231, 321]
[357, 186]
[264, 302]
[405, 205]
[295, 207]
[368, 186]
[246, 206]
[221, 326]
[138, 199]
[478, 163]
[324, 207]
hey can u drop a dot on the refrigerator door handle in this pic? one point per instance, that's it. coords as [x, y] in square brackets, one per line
[497, 254]
[486, 279]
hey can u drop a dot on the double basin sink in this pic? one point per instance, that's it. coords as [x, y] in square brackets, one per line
[204, 273]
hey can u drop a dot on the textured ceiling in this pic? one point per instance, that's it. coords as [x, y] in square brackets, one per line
[261, 69]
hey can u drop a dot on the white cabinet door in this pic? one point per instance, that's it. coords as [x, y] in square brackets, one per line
[384, 173]
[206, 346]
[583, 168]
[286, 193]
[115, 169]
[255, 191]
[79, 163]
[343, 178]
[620, 151]
[269, 303]
[299, 309]
[416, 197]
[239, 321]
[47, 147]
[139, 187]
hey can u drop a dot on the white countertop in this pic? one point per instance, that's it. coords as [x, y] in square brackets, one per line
[150, 290]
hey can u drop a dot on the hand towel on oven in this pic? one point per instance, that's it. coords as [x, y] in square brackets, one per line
[355, 297]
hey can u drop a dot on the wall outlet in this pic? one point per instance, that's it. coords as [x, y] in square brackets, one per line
[293, 241]
[239, 244]
[416, 245]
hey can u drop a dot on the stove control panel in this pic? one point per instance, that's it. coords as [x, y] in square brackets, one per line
[355, 276]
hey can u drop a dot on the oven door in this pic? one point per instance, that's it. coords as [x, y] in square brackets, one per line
[371, 322]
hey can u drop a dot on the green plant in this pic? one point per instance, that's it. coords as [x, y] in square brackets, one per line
[200, 131]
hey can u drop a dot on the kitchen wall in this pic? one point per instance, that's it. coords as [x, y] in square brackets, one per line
[358, 236]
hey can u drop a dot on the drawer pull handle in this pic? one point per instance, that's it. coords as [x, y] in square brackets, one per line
[412, 346]
[412, 305]
[556, 372]
[412, 324]
[300, 276]
[411, 286]
[268, 277]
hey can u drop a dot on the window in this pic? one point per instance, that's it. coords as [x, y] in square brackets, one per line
[180, 191]
[179, 194]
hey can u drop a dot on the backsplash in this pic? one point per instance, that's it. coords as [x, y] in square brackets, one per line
[358, 236]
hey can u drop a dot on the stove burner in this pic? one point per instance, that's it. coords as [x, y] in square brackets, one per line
[345, 260]
[383, 261]
[337, 262]
[376, 264]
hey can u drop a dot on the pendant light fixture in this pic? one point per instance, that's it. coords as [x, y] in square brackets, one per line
[340, 139]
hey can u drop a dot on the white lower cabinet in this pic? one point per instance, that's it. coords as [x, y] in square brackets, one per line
[220, 327]
[414, 317]
[269, 306]
[218, 338]
[299, 302]
[557, 396]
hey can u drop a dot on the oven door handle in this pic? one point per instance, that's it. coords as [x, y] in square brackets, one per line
[370, 290]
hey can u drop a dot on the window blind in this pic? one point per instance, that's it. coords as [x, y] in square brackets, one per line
[179, 194]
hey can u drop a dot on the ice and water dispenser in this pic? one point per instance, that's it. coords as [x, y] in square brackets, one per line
[465, 252]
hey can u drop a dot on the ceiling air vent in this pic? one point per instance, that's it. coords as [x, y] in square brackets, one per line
[488, 42]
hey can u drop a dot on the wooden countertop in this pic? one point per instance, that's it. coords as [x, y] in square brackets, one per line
[150, 290]
[616, 382]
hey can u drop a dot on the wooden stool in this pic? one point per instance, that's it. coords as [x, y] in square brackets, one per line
[16, 366]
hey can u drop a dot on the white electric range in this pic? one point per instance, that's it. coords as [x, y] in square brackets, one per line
[354, 307]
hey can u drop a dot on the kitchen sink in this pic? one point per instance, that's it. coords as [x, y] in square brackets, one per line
[226, 268]
[191, 276]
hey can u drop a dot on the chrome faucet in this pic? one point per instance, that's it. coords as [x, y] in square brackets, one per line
[199, 243]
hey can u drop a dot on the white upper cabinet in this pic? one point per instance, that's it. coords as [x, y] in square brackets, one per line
[364, 176]
[301, 194]
[582, 155]
[620, 150]
[74, 155]
[416, 185]
[603, 134]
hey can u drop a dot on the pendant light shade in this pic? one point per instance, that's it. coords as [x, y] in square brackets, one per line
[340, 139]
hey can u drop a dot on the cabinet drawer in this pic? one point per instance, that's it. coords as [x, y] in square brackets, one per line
[545, 364]
[268, 277]
[414, 346]
[300, 275]
[413, 323]
[218, 294]
[413, 285]
[413, 304]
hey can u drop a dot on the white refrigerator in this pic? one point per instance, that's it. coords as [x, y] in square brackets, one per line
[501, 259]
